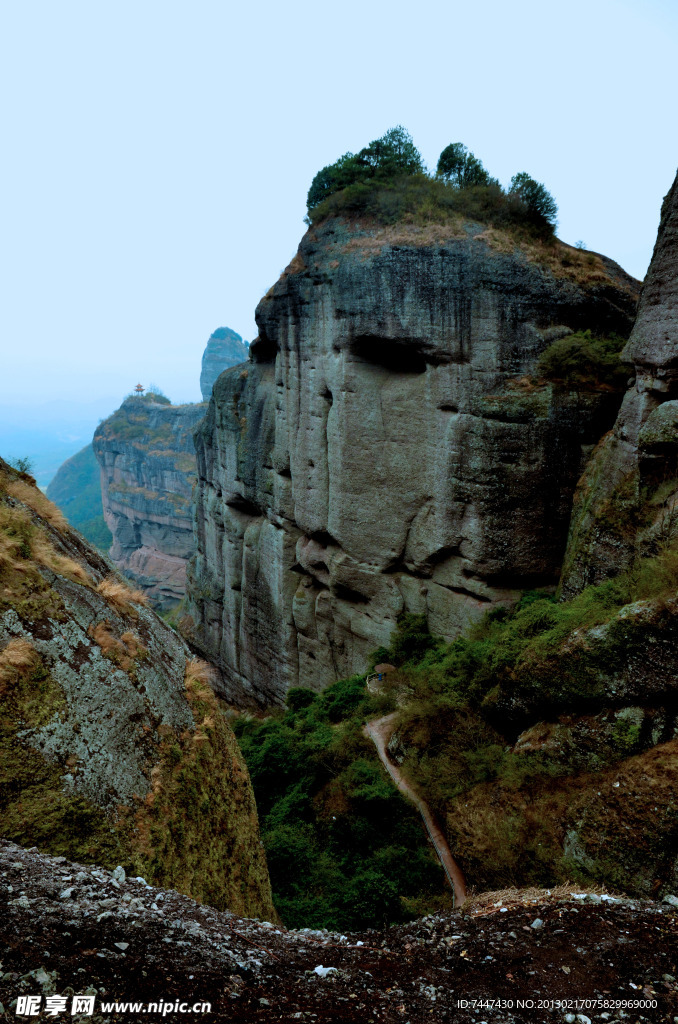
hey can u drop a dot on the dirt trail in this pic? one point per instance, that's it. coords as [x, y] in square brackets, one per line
[379, 731]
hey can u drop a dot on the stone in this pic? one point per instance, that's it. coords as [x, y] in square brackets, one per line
[639, 453]
[224, 349]
[113, 719]
[389, 448]
[147, 460]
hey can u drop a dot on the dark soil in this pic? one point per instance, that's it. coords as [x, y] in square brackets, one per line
[54, 939]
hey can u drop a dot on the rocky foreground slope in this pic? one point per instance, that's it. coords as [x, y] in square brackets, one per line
[391, 447]
[147, 459]
[112, 747]
[516, 957]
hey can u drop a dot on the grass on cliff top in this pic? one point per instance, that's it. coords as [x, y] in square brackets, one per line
[418, 199]
[418, 210]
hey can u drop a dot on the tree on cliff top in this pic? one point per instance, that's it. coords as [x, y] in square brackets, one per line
[391, 156]
[540, 204]
[460, 167]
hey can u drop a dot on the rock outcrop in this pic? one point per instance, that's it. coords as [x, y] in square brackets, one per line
[224, 349]
[147, 460]
[112, 746]
[627, 500]
[390, 446]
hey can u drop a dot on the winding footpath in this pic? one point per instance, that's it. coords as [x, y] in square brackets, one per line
[379, 731]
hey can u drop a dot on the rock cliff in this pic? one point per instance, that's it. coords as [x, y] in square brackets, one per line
[224, 349]
[147, 460]
[112, 746]
[627, 500]
[391, 446]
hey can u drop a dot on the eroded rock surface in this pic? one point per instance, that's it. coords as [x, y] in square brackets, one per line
[147, 460]
[112, 746]
[389, 449]
[224, 349]
[626, 501]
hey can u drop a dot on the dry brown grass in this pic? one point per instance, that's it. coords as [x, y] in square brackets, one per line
[45, 554]
[484, 903]
[119, 595]
[405, 234]
[197, 675]
[123, 652]
[16, 658]
[29, 495]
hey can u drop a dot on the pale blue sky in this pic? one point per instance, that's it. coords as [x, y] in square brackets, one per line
[157, 155]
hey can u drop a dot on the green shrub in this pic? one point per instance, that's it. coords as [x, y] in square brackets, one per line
[386, 182]
[583, 361]
[393, 155]
[411, 640]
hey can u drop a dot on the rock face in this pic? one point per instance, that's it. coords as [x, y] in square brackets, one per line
[389, 448]
[112, 746]
[224, 349]
[627, 500]
[147, 459]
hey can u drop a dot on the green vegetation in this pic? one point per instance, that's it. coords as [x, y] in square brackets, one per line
[333, 824]
[344, 849]
[462, 168]
[197, 830]
[583, 361]
[539, 203]
[389, 157]
[22, 464]
[76, 490]
[386, 181]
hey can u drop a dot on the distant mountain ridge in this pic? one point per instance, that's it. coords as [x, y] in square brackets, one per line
[76, 489]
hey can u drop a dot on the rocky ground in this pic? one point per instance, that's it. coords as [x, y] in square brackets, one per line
[73, 929]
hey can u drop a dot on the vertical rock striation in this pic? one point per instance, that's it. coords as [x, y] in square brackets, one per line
[627, 500]
[224, 349]
[147, 460]
[389, 447]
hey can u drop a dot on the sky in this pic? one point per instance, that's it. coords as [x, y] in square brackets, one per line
[157, 155]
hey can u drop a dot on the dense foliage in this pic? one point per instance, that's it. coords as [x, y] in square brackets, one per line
[387, 181]
[462, 168]
[391, 156]
[344, 849]
[583, 360]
